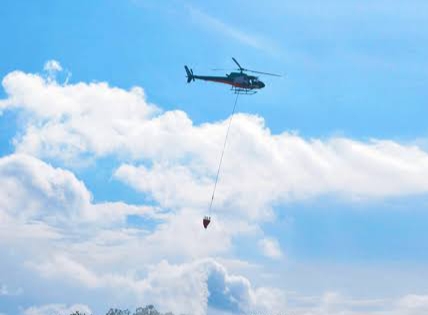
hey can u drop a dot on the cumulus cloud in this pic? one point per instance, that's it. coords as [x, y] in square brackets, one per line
[53, 209]
[86, 114]
[166, 156]
[174, 161]
[185, 288]
[32, 189]
[35, 191]
[265, 169]
[50, 205]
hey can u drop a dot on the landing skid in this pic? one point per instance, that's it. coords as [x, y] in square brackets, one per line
[243, 91]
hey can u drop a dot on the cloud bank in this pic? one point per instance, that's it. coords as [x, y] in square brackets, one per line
[166, 156]
[72, 237]
[81, 244]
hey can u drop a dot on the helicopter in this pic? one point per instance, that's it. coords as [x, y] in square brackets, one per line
[241, 82]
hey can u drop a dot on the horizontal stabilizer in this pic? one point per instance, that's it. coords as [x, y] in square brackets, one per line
[190, 76]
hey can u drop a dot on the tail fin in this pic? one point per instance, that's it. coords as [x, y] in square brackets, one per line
[190, 76]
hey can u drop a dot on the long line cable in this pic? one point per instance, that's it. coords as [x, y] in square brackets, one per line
[222, 152]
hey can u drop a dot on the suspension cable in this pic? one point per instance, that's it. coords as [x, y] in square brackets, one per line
[222, 153]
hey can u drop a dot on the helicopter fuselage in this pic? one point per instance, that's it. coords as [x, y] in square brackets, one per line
[236, 79]
[239, 81]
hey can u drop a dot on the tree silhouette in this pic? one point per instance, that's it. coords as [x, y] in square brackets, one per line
[148, 310]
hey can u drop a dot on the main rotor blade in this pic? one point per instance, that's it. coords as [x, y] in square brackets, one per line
[239, 66]
[267, 73]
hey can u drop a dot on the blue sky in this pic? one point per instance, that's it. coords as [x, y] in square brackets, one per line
[353, 88]
[346, 64]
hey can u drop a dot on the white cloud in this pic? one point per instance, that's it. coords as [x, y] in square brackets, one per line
[264, 169]
[57, 309]
[167, 157]
[51, 194]
[270, 248]
[53, 210]
[333, 303]
[33, 191]
[45, 204]
[205, 281]
[184, 288]
[84, 115]
[413, 304]
[71, 122]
